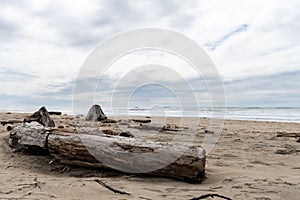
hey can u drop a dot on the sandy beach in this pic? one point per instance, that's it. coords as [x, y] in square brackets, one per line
[245, 164]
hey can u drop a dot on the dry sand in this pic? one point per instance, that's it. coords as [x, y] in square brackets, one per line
[243, 165]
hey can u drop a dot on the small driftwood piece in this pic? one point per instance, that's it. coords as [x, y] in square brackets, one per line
[284, 134]
[124, 152]
[205, 196]
[171, 127]
[41, 116]
[108, 121]
[55, 113]
[142, 120]
[110, 188]
[11, 121]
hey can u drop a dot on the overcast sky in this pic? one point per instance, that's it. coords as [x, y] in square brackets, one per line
[254, 44]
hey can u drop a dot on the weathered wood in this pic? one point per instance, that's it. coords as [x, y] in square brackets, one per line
[108, 121]
[55, 113]
[110, 188]
[122, 153]
[284, 134]
[41, 116]
[142, 120]
[11, 121]
[28, 136]
[95, 114]
[172, 127]
[205, 196]
[69, 149]
[66, 130]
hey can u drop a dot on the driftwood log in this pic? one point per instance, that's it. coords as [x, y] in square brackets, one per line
[73, 149]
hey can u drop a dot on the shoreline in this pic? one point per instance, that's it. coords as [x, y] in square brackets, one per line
[272, 114]
[170, 116]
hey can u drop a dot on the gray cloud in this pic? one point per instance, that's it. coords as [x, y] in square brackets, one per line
[7, 30]
[275, 90]
[271, 91]
[83, 31]
[29, 104]
[108, 18]
[178, 13]
[13, 75]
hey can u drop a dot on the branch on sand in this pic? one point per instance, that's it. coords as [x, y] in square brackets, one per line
[210, 195]
[110, 188]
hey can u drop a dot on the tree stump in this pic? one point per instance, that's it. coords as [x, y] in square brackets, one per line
[41, 116]
[95, 114]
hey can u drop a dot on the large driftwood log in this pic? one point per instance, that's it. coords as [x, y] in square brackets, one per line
[111, 151]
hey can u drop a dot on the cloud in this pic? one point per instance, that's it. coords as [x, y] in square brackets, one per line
[77, 24]
[12, 75]
[7, 30]
[213, 45]
[273, 90]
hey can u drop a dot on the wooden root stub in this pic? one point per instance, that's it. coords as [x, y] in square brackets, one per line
[41, 116]
[95, 114]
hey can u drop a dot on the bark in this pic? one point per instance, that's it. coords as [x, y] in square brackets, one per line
[128, 154]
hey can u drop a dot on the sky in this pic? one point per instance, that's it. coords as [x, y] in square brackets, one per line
[254, 45]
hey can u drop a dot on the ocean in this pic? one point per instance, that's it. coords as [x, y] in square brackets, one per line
[276, 114]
